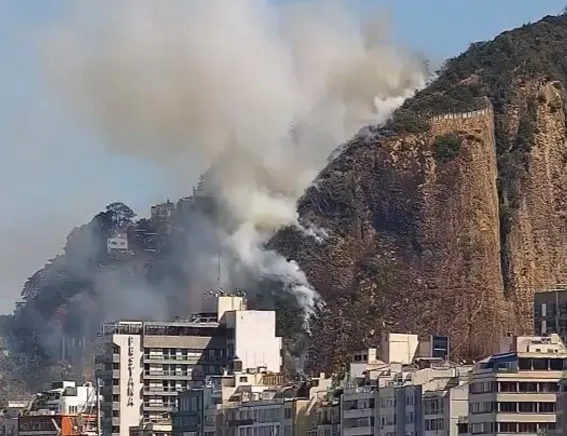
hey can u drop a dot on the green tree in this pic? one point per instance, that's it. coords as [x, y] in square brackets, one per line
[120, 214]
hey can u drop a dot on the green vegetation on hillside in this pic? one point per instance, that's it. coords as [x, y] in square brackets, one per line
[492, 69]
[446, 147]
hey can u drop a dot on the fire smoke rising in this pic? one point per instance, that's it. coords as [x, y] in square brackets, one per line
[259, 93]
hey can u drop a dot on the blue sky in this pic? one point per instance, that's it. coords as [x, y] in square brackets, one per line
[56, 173]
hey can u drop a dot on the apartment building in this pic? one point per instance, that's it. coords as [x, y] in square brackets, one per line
[398, 410]
[515, 390]
[286, 411]
[199, 409]
[358, 410]
[328, 419]
[443, 408]
[66, 398]
[550, 312]
[143, 365]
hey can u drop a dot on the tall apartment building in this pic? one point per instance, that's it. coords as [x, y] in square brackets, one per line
[515, 391]
[550, 312]
[143, 365]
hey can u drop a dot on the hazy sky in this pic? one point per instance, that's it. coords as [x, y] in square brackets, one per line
[54, 171]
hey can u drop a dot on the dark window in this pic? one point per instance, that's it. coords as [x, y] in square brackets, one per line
[508, 387]
[528, 407]
[528, 387]
[546, 407]
[507, 406]
[540, 364]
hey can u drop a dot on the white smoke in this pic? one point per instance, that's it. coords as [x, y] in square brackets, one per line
[263, 92]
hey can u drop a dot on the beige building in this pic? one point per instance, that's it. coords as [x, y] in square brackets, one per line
[515, 391]
[284, 411]
[143, 365]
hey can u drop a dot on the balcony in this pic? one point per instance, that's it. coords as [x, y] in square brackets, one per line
[358, 413]
[161, 391]
[151, 407]
[171, 375]
[188, 360]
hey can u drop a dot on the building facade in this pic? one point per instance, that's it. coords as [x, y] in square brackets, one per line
[515, 391]
[143, 365]
[550, 312]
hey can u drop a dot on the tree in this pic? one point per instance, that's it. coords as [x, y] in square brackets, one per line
[120, 214]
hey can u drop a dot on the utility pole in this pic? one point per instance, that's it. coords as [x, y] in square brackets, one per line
[98, 420]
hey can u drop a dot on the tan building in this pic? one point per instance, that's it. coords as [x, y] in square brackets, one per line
[285, 411]
[515, 391]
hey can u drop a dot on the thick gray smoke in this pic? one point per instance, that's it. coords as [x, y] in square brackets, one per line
[263, 92]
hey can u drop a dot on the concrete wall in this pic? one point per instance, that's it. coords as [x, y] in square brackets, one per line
[399, 348]
[255, 341]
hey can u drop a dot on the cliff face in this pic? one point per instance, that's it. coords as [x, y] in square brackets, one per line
[447, 222]
[535, 244]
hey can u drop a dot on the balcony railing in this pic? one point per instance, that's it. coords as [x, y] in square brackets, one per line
[167, 374]
[188, 359]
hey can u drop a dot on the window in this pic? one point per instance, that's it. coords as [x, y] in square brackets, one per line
[507, 387]
[507, 427]
[527, 427]
[482, 427]
[527, 407]
[508, 407]
[530, 387]
[549, 387]
[546, 407]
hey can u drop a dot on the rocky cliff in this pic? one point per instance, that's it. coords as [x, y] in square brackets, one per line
[448, 219]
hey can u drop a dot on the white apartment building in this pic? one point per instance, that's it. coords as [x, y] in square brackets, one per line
[143, 365]
[388, 390]
[117, 242]
[515, 391]
[66, 398]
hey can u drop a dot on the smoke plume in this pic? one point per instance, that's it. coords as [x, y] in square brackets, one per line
[260, 94]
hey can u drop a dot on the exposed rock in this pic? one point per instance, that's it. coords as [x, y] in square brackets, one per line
[450, 225]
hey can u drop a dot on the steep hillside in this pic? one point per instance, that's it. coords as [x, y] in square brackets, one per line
[451, 217]
[445, 220]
